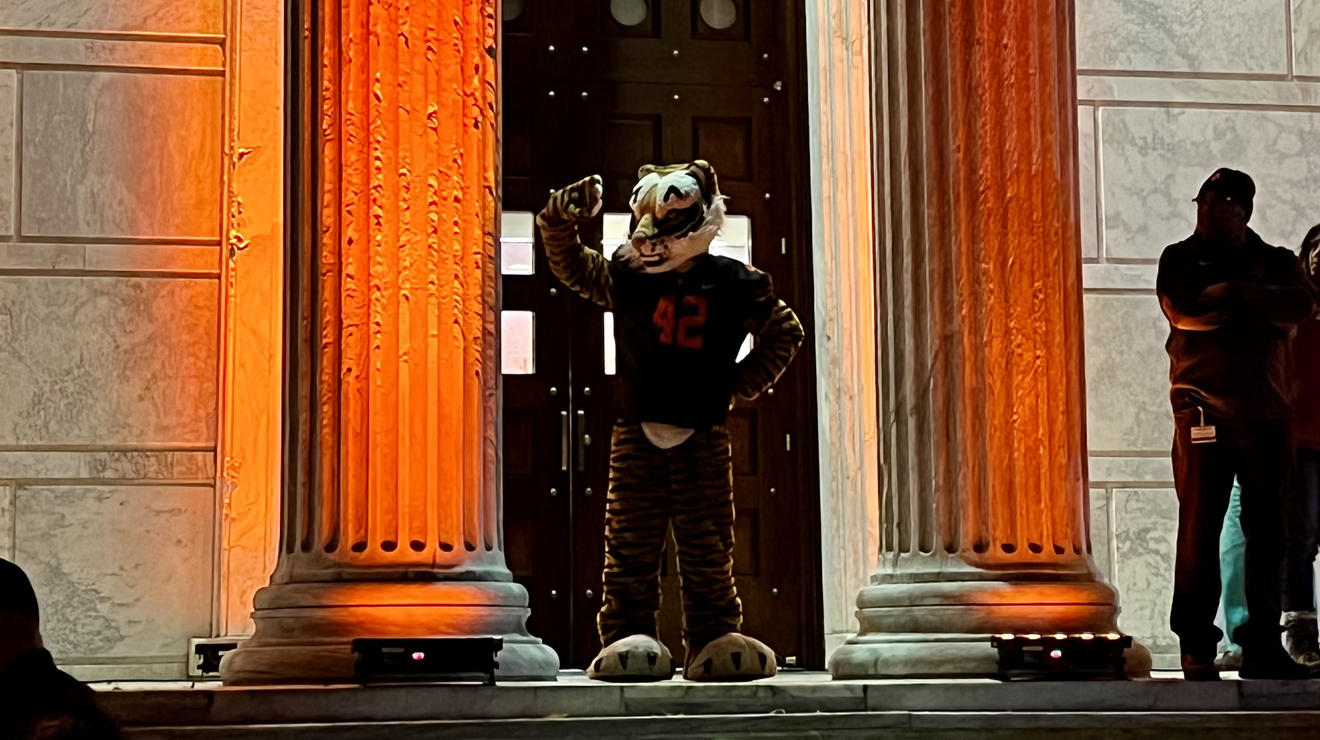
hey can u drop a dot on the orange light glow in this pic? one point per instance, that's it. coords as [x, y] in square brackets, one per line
[252, 275]
[390, 521]
[988, 397]
[404, 440]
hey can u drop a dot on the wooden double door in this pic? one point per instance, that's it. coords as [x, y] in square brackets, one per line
[601, 87]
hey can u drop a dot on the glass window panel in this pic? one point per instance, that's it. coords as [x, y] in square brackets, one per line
[629, 12]
[610, 366]
[719, 14]
[516, 256]
[614, 232]
[746, 348]
[735, 239]
[517, 342]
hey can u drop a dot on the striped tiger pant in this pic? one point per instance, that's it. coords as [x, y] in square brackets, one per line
[691, 487]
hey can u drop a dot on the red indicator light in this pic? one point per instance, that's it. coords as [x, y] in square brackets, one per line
[419, 655]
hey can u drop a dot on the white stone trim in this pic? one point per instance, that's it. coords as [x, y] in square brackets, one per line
[840, 108]
[1173, 90]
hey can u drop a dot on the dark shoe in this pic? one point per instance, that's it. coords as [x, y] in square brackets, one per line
[1199, 668]
[1273, 664]
[1300, 639]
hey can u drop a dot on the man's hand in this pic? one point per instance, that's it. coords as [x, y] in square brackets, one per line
[581, 200]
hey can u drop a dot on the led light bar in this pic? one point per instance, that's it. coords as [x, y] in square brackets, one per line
[434, 659]
[1060, 656]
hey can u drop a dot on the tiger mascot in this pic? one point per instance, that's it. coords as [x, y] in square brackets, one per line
[681, 315]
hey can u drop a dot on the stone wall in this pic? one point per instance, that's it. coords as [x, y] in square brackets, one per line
[1169, 91]
[112, 215]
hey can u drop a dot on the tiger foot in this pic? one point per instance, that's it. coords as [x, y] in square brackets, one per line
[732, 657]
[634, 658]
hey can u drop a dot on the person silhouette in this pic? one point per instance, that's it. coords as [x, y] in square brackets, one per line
[38, 700]
[1232, 302]
[1302, 507]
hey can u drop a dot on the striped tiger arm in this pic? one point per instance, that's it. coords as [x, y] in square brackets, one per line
[583, 270]
[777, 341]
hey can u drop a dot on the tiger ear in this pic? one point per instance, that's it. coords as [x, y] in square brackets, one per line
[647, 169]
[706, 175]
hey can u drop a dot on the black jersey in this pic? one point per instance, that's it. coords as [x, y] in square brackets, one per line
[677, 337]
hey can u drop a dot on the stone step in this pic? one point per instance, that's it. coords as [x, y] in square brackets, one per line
[889, 725]
[788, 705]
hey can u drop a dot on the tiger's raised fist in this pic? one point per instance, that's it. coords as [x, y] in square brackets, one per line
[577, 202]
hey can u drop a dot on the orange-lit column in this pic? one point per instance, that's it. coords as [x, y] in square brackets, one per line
[391, 523]
[984, 494]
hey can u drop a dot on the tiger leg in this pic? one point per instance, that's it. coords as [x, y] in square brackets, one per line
[636, 524]
[701, 501]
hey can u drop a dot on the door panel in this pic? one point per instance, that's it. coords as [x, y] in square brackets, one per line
[587, 94]
[537, 507]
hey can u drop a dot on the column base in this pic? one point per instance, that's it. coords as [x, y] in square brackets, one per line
[943, 629]
[304, 631]
[938, 656]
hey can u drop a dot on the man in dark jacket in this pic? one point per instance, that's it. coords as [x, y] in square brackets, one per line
[1302, 508]
[1232, 302]
[37, 700]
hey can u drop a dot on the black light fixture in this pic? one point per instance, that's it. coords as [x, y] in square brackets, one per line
[1061, 656]
[437, 659]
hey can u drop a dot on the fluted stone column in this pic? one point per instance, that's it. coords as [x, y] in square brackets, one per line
[391, 507]
[983, 503]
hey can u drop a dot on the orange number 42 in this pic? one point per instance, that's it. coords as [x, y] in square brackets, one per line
[684, 330]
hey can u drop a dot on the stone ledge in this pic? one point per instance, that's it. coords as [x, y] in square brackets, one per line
[573, 696]
[1175, 89]
[890, 725]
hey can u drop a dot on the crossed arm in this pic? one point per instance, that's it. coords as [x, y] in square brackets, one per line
[1192, 307]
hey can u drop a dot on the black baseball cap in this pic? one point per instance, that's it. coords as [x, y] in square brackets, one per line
[1234, 185]
[16, 594]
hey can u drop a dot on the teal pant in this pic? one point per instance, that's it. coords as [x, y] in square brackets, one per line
[1232, 568]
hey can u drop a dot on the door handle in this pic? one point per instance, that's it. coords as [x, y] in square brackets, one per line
[563, 440]
[583, 440]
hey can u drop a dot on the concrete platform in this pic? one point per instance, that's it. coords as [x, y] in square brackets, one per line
[790, 705]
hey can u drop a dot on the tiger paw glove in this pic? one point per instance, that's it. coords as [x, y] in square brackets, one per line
[577, 202]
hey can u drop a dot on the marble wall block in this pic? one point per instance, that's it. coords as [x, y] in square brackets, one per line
[1127, 469]
[128, 16]
[1127, 374]
[1154, 160]
[1241, 36]
[120, 571]
[6, 521]
[1086, 156]
[133, 465]
[121, 155]
[1306, 37]
[1145, 539]
[8, 119]
[1101, 533]
[108, 361]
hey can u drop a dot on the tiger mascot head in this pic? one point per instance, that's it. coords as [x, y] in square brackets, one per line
[677, 210]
